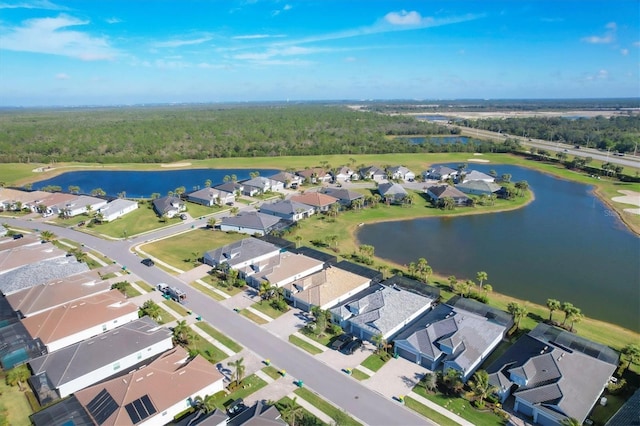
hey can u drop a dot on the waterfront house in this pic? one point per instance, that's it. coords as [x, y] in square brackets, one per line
[345, 197]
[211, 197]
[288, 209]
[475, 175]
[235, 188]
[12, 199]
[320, 202]
[17, 346]
[78, 205]
[440, 173]
[252, 223]
[260, 185]
[392, 193]
[440, 192]
[117, 208]
[242, 253]
[169, 206]
[314, 175]
[287, 179]
[479, 187]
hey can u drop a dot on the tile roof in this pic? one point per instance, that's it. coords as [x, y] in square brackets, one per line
[283, 267]
[315, 199]
[326, 286]
[168, 380]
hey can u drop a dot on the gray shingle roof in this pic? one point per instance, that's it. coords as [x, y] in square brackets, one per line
[286, 207]
[442, 191]
[343, 194]
[478, 185]
[165, 204]
[41, 272]
[241, 251]
[252, 220]
[392, 189]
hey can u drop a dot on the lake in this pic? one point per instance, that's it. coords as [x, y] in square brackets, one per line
[436, 140]
[565, 245]
[141, 184]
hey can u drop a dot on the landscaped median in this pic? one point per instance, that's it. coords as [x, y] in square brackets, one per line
[303, 344]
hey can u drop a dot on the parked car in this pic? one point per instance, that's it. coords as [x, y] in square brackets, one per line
[17, 236]
[183, 216]
[148, 262]
[236, 407]
[341, 341]
[352, 346]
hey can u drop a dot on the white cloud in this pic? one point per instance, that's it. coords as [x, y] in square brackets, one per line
[52, 36]
[608, 37]
[179, 43]
[113, 20]
[285, 8]
[624, 52]
[350, 59]
[37, 4]
[62, 76]
[404, 18]
[257, 36]
[603, 74]
[636, 44]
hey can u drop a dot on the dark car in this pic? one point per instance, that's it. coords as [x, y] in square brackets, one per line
[341, 341]
[352, 346]
[236, 407]
[148, 262]
[17, 236]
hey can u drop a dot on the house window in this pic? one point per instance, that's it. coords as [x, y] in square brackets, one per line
[116, 366]
[140, 355]
[104, 327]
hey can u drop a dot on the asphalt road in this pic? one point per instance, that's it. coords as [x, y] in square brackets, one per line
[345, 392]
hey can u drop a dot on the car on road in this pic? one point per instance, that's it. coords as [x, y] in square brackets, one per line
[352, 346]
[17, 236]
[147, 262]
[341, 341]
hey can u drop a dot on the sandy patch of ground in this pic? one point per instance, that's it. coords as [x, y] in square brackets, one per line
[176, 165]
[478, 160]
[629, 197]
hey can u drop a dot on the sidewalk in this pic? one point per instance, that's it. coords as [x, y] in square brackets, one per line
[265, 317]
[310, 341]
[213, 289]
[310, 408]
[213, 341]
[439, 409]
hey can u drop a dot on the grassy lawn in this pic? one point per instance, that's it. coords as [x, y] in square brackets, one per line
[165, 317]
[323, 339]
[15, 402]
[266, 308]
[428, 412]
[129, 291]
[462, 407]
[253, 317]
[308, 419]
[248, 386]
[219, 336]
[198, 210]
[600, 415]
[215, 282]
[176, 307]
[324, 406]
[272, 372]
[208, 350]
[181, 250]
[145, 286]
[359, 375]
[206, 290]
[374, 362]
[304, 345]
[142, 219]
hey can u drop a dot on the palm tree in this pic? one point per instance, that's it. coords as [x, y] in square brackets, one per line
[575, 316]
[481, 277]
[570, 421]
[452, 380]
[265, 291]
[380, 342]
[429, 381]
[340, 418]
[332, 239]
[567, 308]
[151, 309]
[298, 239]
[238, 366]
[47, 236]
[292, 411]
[207, 183]
[334, 209]
[452, 281]
[206, 404]
[98, 192]
[631, 354]
[182, 333]
[234, 211]
[553, 305]
[487, 288]
[211, 223]
[383, 269]
[522, 187]
[518, 311]
[17, 375]
[480, 385]
[80, 255]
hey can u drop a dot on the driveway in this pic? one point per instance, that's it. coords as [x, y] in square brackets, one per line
[340, 361]
[397, 377]
[242, 300]
[288, 323]
[194, 274]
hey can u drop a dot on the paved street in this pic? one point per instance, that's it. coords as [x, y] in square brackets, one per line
[369, 406]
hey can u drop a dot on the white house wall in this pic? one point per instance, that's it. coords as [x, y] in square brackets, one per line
[123, 364]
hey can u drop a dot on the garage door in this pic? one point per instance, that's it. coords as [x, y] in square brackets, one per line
[407, 354]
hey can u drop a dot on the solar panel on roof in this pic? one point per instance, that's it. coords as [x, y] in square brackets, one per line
[133, 415]
[102, 406]
[140, 409]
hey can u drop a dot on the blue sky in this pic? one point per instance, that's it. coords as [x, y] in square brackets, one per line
[131, 52]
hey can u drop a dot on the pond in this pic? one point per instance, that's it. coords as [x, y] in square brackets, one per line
[565, 245]
[437, 140]
[141, 184]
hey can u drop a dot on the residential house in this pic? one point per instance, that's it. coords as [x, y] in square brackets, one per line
[280, 270]
[401, 173]
[440, 173]
[116, 208]
[236, 188]
[475, 175]
[154, 394]
[17, 345]
[39, 298]
[169, 206]
[67, 370]
[50, 204]
[260, 185]
[392, 193]
[627, 415]
[345, 197]
[12, 199]
[320, 202]
[553, 374]
[73, 322]
[259, 414]
[440, 192]
[344, 174]
[325, 288]
[242, 253]
[287, 209]
[314, 175]
[454, 337]
[211, 197]
[31, 274]
[478, 187]
[379, 310]
[287, 179]
[252, 223]
[25, 254]
[78, 205]
[373, 173]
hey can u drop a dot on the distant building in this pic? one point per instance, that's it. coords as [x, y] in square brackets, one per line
[117, 208]
[169, 206]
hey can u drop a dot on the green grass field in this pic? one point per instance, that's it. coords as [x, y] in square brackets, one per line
[462, 407]
[176, 307]
[248, 386]
[253, 317]
[359, 375]
[428, 412]
[206, 290]
[324, 406]
[141, 220]
[266, 308]
[373, 362]
[304, 345]
[14, 401]
[215, 282]
[229, 343]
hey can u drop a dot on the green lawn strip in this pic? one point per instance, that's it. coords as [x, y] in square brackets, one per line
[272, 372]
[253, 317]
[215, 282]
[206, 290]
[497, 353]
[130, 292]
[373, 362]
[176, 307]
[266, 308]
[462, 407]
[180, 251]
[359, 375]
[15, 402]
[207, 349]
[143, 285]
[196, 210]
[428, 412]
[142, 219]
[304, 345]
[601, 414]
[308, 419]
[207, 328]
[248, 386]
[324, 406]
[165, 317]
[323, 339]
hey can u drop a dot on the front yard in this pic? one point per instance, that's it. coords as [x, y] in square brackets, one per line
[462, 407]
